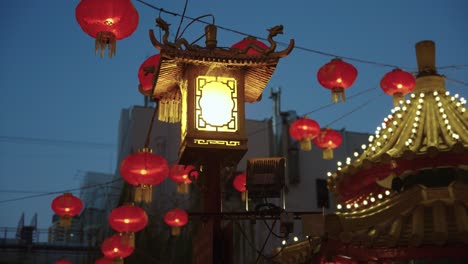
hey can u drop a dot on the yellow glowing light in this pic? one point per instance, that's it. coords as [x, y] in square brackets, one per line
[126, 220]
[399, 86]
[67, 209]
[109, 21]
[338, 206]
[143, 172]
[348, 206]
[177, 220]
[116, 250]
[339, 80]
[216, 104]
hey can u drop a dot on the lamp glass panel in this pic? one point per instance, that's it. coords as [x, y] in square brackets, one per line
[216, 106]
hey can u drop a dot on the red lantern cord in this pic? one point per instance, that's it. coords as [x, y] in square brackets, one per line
[304, 130]
[239, 183]
[176, 218]
[66, 206]
[127, 220]
[116, 248]
[328, 139]
[337, 76]
[181, 175]
[107, 21]
[397, 83]
[146, 74]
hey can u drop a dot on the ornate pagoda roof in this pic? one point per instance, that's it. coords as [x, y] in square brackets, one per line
[175, 56]
[428, 130]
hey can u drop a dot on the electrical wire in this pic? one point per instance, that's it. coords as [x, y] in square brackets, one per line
[56, 142]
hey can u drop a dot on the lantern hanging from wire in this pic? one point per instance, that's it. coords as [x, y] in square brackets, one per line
[239, 183]
[143, 169]
[116, 248]
[250, 46]
[183, 175]
[66, 206]
[146, 73]
[128, 219]
[107, 21]
[397, 83]
[304, 130]
[337, 76]
[176, 218]
[328, 139]
[104, 260]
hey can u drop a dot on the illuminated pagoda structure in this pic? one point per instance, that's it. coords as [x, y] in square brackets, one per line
[405, 197]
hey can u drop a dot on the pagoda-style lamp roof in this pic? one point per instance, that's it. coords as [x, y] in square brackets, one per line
[429, 130]
[175, 56]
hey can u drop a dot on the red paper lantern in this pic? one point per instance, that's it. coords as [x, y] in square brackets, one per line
[104, 260]
[128, 219]
[107, 21]
[116, 248]
[337, 76]
[328, 139]
[176, 218]
[239, 183]
[63, 261]
[144, 169]
[146, 78]
[304, 130]
[397, 83]
[181, 175]
[255, 46]
[66, 206]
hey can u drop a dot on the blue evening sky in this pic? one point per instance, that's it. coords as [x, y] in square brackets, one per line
[57, 96]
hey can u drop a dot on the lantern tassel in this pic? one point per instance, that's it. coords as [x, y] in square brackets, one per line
[182, 188]
[147, 193]
[138, 194]
[117, 261]
[243, 196]
[175, 230]
[65, 221]
[128, 238]
[305, 145]
[105, 40]
[397, 97]
[327, 154]
[338, 95]
[169, 107]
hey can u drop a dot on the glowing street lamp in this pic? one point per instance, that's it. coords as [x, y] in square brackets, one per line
[208, 87]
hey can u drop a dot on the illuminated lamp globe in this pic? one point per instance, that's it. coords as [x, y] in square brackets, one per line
[250, 46]
[116, 248]
[66, 206]
[143, 169]
[337, 76]
[239, 183]
[104, 260]
[128, 219]
[176, 218]
[304, 130]
[397, 83]
[107, 21]
[328, 139]
[146, 74]
[182, 175]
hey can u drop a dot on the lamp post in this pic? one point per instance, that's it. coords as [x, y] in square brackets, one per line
[207, 87]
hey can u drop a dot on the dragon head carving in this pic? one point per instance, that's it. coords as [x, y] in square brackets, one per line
[275, 30]
[162, 24]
